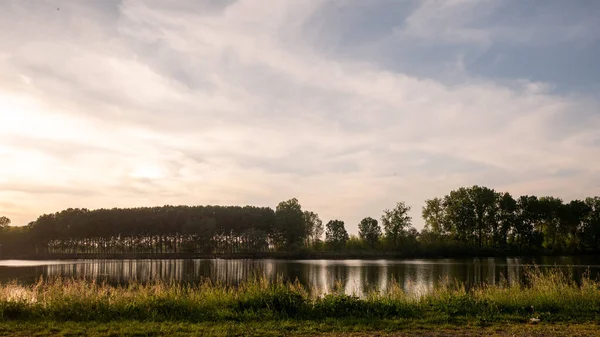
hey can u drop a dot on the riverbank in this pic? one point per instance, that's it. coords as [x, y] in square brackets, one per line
[548, 298]
[302, 255]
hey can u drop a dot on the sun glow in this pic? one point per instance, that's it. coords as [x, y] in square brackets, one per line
[147, 171]
[22, 116]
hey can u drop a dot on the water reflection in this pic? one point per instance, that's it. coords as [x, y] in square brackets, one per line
[357, 277]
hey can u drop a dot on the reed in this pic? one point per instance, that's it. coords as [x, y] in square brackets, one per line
[549, 296]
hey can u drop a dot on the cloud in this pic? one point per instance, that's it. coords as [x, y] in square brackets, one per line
[555, 42]
[146, 103]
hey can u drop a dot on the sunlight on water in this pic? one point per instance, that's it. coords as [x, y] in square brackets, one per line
[32, 263]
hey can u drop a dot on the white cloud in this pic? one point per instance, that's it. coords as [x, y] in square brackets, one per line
[135, 105]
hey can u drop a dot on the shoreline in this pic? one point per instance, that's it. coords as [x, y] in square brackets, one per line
[285, 256]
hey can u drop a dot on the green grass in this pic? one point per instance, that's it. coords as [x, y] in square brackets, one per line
[288, 328]
[261, 307]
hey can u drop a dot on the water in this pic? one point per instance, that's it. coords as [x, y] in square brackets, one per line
[354, 276]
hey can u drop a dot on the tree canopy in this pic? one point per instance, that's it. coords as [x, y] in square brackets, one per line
[290, 223]
[314, 227]
[467, 219]
[396, 223]
[4, 221]
[369, 231]
[336, 234]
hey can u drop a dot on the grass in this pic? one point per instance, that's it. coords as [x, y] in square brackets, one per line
[260, 307]
[284, 328]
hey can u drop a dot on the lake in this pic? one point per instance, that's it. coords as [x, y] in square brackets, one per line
[354, 276]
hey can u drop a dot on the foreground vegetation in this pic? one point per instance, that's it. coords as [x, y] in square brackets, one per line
[397, 327]
[261, 307]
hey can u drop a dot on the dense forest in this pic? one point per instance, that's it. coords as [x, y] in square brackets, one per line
[467, 221]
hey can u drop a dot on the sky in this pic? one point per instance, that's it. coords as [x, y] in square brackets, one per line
[349, 106]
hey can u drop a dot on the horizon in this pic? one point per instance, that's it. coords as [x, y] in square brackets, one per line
[350, 107]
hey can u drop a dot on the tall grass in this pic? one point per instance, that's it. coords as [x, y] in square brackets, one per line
[548, 295]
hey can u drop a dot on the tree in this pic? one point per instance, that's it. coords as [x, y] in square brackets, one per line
[4, 222]
[460, 215]
[396, 222]
[201, 232]
[289, 222]
[314, 227]
[573, 221]
[551, 209]
[590, 235]
[471, 215]
[433, 214]
[336, 234]
[484, 201]
[466, 217]
[528, 215]
[507, 218]
[256, 240]
[369, 231]
[165, 229]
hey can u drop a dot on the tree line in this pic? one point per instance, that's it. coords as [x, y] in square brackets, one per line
[483, 218]
[470, 220]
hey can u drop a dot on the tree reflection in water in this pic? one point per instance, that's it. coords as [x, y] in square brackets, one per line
[357, 277]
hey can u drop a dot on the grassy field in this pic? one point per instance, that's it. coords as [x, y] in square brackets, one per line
[260, 307]
[289, 328]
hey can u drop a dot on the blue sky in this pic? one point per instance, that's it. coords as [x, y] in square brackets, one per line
[350, 106]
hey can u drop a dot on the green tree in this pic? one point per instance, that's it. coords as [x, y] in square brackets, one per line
[201, 232]
[4, 222]
[433, 214]
[396, 222]
[314, 227]
[528, 216]
[590, 235]
[369, 231]
[460, 215]
[551, 210]
[573, 222]
[256, 240]
[507, 218]
[472, 214]
[485, 204]
[289, 222]
[336, 234]
[355, 243]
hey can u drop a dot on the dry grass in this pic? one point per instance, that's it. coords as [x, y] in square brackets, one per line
[550, 296]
